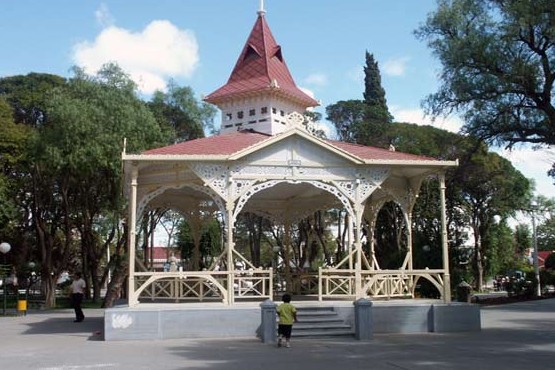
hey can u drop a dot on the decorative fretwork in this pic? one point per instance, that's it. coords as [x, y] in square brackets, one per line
[262, 171]
[295, 119]
[250, 192]
[214, 175]
[361, 187]
[405, 197]
[268, 184]
[371, 178]
[145, 200]
[239, 187]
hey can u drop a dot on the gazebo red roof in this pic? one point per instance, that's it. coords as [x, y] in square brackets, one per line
[213, 145]
[542, 256]
[260, 68]
[227, 145]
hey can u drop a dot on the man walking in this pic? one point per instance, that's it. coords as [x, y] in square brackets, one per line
[77, 292]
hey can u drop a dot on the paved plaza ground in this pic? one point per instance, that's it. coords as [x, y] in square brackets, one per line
[513, 336]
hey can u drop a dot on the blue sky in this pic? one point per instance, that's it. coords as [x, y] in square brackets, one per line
[197, 42]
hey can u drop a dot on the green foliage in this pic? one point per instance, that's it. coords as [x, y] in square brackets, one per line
[347, 116]
[210, 242]
[28, 95]
[425, 140]
[498, 61]
[501, 254]
[390, 229]
[180, 112]
[88, 120]
[363, 121]
[523, 238]
[374, 93]
[546, 226]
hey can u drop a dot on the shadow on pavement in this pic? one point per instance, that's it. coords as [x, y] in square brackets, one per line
[93, 326]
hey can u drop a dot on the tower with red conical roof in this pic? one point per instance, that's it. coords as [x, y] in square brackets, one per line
[260, 92]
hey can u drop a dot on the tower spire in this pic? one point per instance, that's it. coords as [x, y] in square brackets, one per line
[261, 11]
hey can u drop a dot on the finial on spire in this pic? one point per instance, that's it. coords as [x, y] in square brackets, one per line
[261, 11]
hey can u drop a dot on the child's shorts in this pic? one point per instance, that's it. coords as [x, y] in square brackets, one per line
[285, 330]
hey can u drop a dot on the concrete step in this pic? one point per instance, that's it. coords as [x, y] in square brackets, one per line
[320, 321]
[321, 325]
[316, 314]
[322, 333]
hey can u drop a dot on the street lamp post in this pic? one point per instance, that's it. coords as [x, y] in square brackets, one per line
[4, 248]
[535, 255]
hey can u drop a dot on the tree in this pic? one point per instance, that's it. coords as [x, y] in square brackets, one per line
[80, 148]
[498, 61]
[13, 143]
[179, 111]
[374, 94]
[488, 186]
[27, 96]
[347, 116]
[209, 244]
[502, 253]
[363, 121]
[40, 234]
[545, 216]
[523, 238]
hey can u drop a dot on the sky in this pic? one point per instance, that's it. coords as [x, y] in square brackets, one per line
[197, 42]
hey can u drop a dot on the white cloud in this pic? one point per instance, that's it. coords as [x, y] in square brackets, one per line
[534, 164]
[103, 16]
[317, 79]
[395, 67]
[356, 74]
[307, 91]
[157, 53]
[418, 117]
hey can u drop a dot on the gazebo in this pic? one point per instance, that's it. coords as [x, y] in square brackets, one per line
[267, 160]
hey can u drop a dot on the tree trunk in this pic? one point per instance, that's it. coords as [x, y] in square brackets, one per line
[478, 259]
[116, 285]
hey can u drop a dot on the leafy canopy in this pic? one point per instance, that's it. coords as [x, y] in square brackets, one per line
[498, 60]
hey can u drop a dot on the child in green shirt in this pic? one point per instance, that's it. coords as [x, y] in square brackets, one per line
[287, 316]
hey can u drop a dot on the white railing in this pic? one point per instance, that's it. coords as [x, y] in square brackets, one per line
[255, 284]
[202, 286]
[342, 283]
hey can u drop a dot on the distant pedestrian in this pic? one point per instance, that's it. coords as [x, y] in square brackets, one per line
[77, 293]
[287, 316]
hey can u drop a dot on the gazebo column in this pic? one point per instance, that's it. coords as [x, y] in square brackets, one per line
[132, 237]
[409, 241]
[446, 275]
[350, 240]
[358, 208]
[230, 222]
[410, 264]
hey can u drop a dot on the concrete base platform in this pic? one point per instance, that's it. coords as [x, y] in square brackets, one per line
[215, 320]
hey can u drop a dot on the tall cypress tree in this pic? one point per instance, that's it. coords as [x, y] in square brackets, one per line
[374, 94]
